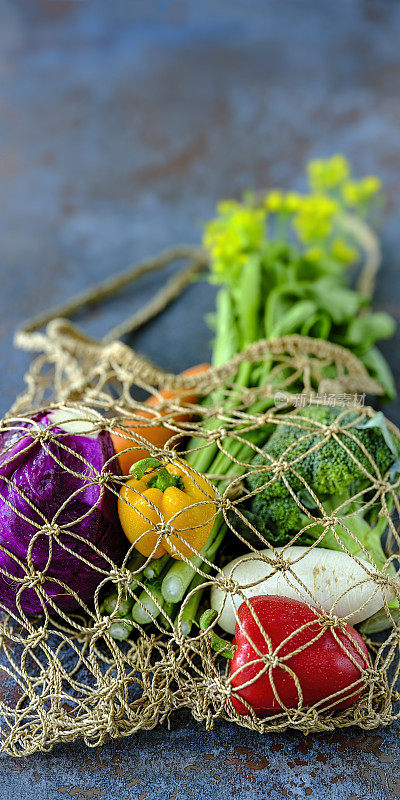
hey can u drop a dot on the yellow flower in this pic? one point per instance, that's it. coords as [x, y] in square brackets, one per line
[274, 201]
[314, 254]
[358, 192]
[327, 174]
[344, 252]
[237, 231]
[227, 207]
[350, 193]
[292, 202]
[278, 202]
[371, 185]
[315, 217]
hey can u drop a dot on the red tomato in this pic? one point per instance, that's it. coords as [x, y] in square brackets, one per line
[322, 668]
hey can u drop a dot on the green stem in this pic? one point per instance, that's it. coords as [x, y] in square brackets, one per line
[191, 607]
[211, 459]
[110, 604]
[202, 459]
[162, 480]
[120, 630]
[156, 567]
[223, 464]
[186, 619]
[136, 562]
[145, 609]
[178, 578]
[216, 643]
[226, 342]
[167, 616]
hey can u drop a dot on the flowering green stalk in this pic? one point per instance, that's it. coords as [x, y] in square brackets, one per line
[282, 263]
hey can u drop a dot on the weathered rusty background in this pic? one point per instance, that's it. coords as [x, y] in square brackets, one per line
[121, 124]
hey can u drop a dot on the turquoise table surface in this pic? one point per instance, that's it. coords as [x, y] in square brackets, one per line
[121, 125]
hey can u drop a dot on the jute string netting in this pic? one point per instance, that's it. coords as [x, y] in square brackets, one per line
[63, 675]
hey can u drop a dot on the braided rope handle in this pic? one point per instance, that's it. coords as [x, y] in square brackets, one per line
[61, 334]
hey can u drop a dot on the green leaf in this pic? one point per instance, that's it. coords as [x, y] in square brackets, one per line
[279, 301]
[370, 328]
[394, 471]
[340, 303]
[379, 421]
[378, 367]
[294, 319]
[380, 621]
[318, 326]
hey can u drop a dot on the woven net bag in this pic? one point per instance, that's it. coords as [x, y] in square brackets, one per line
[63, 676]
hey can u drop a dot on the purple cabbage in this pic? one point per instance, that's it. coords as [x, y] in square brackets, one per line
[36, 486]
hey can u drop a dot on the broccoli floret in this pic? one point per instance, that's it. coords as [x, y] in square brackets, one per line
[318, 458]
[281, 513]
[333, 474]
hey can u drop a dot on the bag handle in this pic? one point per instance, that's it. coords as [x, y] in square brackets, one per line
[63, 344]
[369, 241]
[28, 337]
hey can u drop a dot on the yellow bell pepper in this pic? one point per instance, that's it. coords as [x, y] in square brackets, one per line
[173, 494]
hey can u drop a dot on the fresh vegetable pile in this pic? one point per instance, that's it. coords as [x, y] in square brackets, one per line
[283, 266]
[231, 542]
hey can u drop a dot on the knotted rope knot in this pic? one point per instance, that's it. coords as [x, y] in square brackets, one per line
[163, 529]
[44, 436]
[225, 503]
[113, 422]
[382, 485]
[334, 428]
[219, 688]
[280, 563]
[271, 660]
[101, 626]
[280, 467]
[101, 425]
[227, 585]
[30, 581]
[50, 529]
[168, 456]
[385, 580]
[372, 675]
[330, 621]
[330, 520]
[121, 575]
[105, 478]
[36, 637]
[179, 638]
[309, 715]
[300, 361]
[220, 434]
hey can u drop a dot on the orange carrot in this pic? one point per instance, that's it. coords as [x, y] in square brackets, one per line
[157, 435]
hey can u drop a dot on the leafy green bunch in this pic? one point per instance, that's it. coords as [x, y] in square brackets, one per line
[284, 265]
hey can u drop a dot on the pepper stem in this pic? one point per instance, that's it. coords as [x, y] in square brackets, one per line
[163, 480]
[216, 642]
